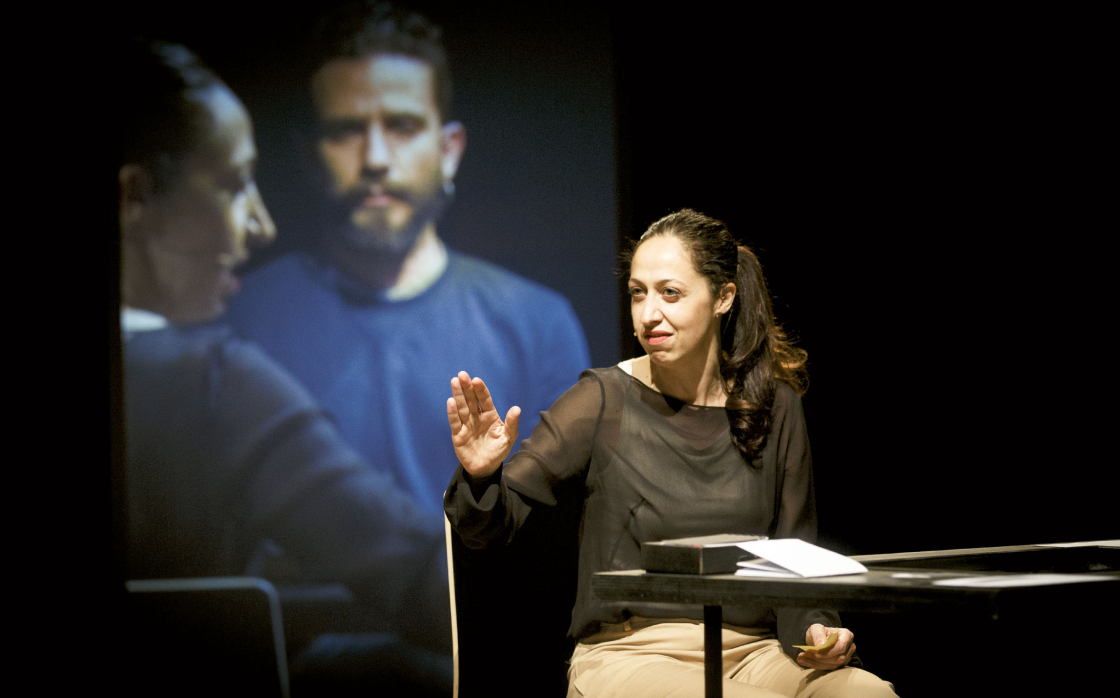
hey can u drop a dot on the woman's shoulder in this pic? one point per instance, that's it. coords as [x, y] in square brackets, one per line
[637, 368]
[599, 385]
[609, 377]
[785, 392]
[787, 401]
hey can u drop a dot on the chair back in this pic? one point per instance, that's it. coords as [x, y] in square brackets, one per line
[218, 635]
[511, 606]
[448, 535]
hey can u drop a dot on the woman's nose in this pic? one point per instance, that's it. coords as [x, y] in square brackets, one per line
[651, 313]
[261, 228]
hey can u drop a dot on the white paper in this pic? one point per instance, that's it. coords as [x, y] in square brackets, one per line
[779, 574]
[1004, 581]
[803, 559]
[1084, 544]
[719, 540]
[763, 568]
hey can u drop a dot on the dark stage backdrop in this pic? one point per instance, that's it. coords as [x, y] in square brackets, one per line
[918, 190]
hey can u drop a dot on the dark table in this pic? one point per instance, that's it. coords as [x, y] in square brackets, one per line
[880, 590]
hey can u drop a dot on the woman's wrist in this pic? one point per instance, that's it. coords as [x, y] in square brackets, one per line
[479, 483]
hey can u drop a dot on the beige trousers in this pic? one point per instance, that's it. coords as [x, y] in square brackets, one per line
[664, 658]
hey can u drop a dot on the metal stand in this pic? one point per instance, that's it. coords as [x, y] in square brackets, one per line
[713, 652]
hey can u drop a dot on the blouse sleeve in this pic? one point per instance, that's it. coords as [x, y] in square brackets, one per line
[797, 511]
[490, 511]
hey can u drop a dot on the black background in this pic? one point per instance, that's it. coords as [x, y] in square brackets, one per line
[919, 192]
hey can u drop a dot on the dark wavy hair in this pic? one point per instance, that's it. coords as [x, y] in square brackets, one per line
[755, 352]
[159, 123]
[369, 27]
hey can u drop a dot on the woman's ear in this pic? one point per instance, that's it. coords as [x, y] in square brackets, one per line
[726, 298]
[135, 195]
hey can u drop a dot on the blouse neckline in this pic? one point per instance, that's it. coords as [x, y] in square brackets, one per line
[666, 395]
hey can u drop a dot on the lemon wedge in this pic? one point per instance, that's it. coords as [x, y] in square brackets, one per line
[823, 646]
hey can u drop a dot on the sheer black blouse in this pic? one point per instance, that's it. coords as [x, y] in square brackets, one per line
[648, 467]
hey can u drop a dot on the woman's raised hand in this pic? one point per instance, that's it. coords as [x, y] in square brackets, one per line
[482, 441]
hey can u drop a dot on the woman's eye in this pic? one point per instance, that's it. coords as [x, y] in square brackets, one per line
[670, 292]
[636, 292]
[237, 183]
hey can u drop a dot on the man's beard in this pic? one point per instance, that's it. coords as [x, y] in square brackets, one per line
[380, 238]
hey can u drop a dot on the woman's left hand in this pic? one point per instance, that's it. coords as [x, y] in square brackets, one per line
[832, 658]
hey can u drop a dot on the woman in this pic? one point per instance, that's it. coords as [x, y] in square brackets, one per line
[705, 434]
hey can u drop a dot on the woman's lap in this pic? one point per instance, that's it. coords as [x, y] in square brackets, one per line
[666, 659]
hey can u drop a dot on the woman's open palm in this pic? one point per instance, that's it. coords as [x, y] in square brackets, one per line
[482, 441]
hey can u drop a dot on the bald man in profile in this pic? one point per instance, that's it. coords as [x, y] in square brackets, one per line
[225, 450]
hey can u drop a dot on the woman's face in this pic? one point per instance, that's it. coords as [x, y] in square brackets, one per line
[674, 312]
[204, 226]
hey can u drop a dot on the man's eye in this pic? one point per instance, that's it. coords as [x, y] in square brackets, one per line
[342, 131]
[405, 125]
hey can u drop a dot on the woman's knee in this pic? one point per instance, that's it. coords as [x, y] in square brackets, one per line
[847, 682]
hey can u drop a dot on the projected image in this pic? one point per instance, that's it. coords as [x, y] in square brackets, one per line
[308, 260]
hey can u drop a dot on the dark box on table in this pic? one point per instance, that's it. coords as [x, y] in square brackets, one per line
[716, 554]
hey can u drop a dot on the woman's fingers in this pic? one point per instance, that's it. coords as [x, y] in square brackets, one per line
[481, 439]
[473, 402]
[477, 395]
[485, 401]
[845, 645]
[512, 419]
[835, 656]
[817, 634]
[453, 419]
[462, 407]
[467, 386]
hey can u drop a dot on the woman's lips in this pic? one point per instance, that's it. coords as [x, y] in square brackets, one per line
[656, 337]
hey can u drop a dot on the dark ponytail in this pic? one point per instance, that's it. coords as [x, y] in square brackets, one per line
[755, 352]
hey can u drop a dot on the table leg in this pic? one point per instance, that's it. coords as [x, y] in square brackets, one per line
[713, 652]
